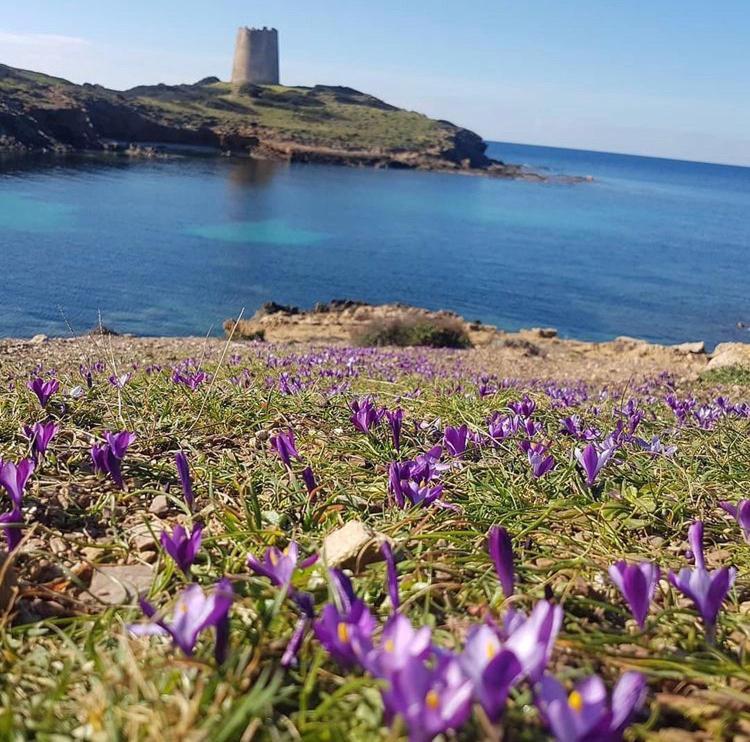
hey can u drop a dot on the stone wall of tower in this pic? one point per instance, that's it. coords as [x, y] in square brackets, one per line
[256, 57]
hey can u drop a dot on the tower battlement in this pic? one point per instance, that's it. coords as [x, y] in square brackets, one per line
[256, 56]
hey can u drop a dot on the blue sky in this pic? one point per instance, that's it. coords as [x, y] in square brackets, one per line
[659, 77]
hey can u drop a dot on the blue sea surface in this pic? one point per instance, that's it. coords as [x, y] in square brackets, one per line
[652, 248]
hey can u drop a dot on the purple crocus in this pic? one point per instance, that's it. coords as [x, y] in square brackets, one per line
[540, 461]
[456, 439]
[637, 583]
[524, 408]
[501, 553]
[592, 461]
[741, 513]
[14, 478]
[119, 443]
[492, 669]
[391, 574]
[43, 389]
[40, 436]
[308, 477]
[194, 612]
[181, 546]
[277, 565]
[345, 628]
[365, 415]
[501, 426]
[107, 457]
[585, 713]
[399, 643]
[183, 472]
[430, 698]
[285, 446]
[532, 639]
[11, 523]
[706, 589]
[395, 421]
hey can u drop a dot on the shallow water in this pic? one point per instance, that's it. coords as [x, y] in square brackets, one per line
[653, 248]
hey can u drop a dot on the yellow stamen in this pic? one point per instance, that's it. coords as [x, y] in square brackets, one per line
[432, 700]
[389, 645]
[274, 559]
[343, 633]
[491, 650]
[575, 701]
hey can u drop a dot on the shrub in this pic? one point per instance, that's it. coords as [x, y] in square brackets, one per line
[442, 332]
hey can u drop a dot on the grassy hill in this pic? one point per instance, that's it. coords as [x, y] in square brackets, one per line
[324, 123]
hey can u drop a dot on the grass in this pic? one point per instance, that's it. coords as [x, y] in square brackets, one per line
[71, 671]
[316, 117]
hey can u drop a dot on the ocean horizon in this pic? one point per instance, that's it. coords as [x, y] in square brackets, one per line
[652, 248]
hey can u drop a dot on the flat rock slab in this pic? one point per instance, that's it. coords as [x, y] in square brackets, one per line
[351, 546]
[119, 584]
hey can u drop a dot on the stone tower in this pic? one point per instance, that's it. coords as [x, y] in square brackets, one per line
[256, 57]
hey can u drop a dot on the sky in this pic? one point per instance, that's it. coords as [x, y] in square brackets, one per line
[668, 78]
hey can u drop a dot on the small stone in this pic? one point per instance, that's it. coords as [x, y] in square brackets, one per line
[159, 505]
[91, 553]
[119, 584]
[352, 546]
[687, 349]
[39, 339]
[57, 545]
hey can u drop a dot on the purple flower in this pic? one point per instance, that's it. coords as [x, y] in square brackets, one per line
[706, 589]
[585, 714]
[119, 382]
[501, 427]
[181, 547]
[573, 426]
[40, 435]
[532, 639]
[392, 574]
[11, 526]
[656, 447]
[399, 643]
[431, 698]
[43, 389]
[119, 443]
[308, 477]
[540, 462]
[364, 415]
[395, 420]
[107, 457]
[285, 446]
[524, 408]
[456, 439]
[345, 629]
[15, 477]
[194, 612]
[501, 553]
[637, 583]
[278, 566]
[741, 513]
[183, 472]
[592, 461]
[492, 669]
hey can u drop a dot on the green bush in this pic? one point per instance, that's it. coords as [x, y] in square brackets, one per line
[431, 333]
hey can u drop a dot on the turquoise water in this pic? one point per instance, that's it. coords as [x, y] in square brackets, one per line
[653, 248]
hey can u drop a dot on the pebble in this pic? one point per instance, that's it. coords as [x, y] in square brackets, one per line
[159, 505]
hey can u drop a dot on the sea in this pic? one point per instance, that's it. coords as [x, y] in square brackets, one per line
[651, 248]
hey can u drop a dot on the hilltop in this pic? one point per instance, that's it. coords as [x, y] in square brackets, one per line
[331, 124]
